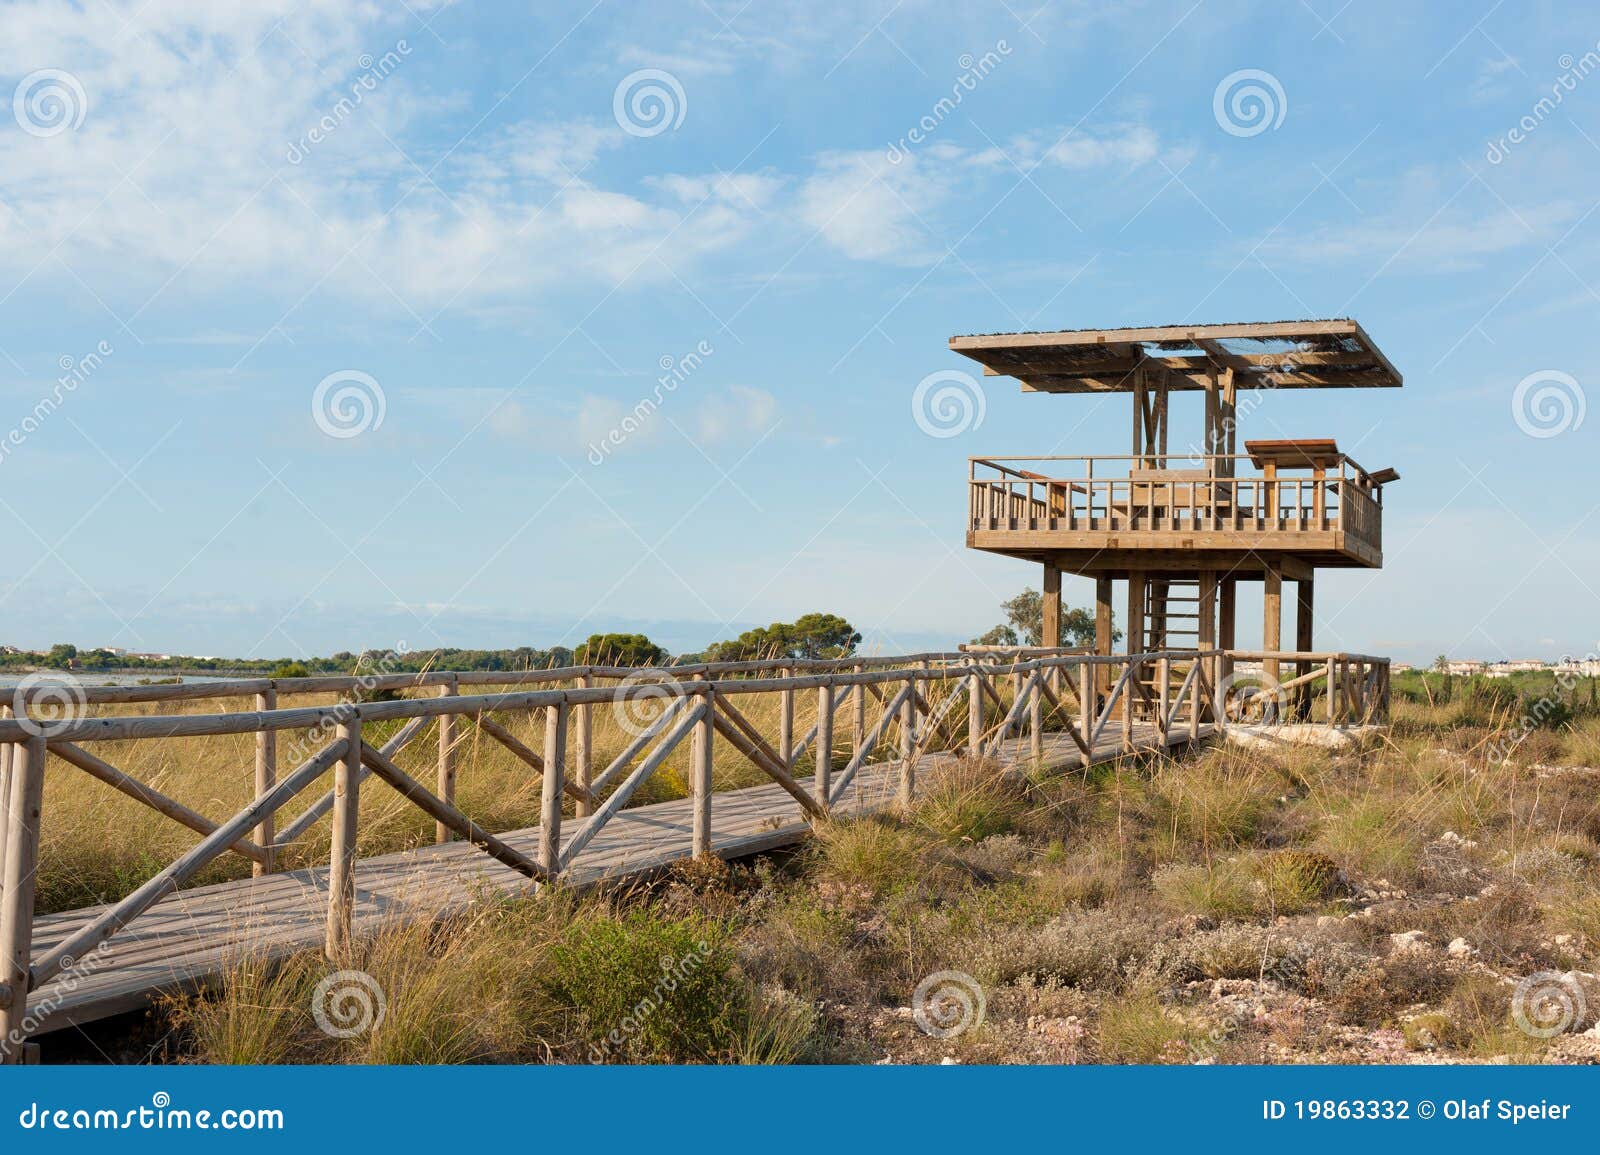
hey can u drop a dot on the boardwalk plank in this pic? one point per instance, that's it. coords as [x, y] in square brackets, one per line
[192, 937]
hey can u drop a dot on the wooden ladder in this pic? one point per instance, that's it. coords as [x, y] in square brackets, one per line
[1172, 622]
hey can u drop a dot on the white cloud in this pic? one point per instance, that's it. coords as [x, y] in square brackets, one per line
[871, 209]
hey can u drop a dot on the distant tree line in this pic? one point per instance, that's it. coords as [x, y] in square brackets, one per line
[811, 636]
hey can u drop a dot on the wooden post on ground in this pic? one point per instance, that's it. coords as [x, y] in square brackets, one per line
[583, 747]
[1135, 640]
[555, 772]
[266, 779]
[1272, 626]
[1330, 676]
[858, 714]
[822, 780]
[1051, 633]
[1304, 590]
[1196, 704]
[342, 859]
[1163, 696]
[1207, 633]
[1102, 633]
[974, 712]
[1087, 709]
[447, 761]
[23, 807]
[1036, 720]
[786, 724]
[7, 750]
[1127, 704]
[702, 759]
[1227, 616]
[908, 744]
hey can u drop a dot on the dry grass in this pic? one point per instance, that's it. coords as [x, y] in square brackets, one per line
[1237, 905]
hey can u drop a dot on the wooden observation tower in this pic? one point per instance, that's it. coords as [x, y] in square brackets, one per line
[1184, 517]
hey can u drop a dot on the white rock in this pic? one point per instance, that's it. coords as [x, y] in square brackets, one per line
[1460, 948]
[949, 1061]
[1411, 941]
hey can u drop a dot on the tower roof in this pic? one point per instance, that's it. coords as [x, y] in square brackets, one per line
[1329, 354]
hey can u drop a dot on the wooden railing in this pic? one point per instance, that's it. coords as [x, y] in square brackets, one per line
[1012, 700]
[1184, 496]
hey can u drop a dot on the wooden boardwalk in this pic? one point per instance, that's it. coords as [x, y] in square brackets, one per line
[193, 936]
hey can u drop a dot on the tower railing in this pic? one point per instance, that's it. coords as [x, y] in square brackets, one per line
[1214, 493]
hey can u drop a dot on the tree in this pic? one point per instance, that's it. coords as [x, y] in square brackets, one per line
[1025, 624]
[61, 655]
[619, 650]
[822, 636]
[998, 636]
[809, 636]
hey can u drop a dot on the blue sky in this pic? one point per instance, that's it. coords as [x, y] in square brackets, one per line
[504, 248]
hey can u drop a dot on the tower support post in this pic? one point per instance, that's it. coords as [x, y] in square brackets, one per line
[1305, 590]
[1051, 634]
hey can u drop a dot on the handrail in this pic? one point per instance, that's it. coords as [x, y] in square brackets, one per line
[439, 679]
[911, 724]
[995, 461]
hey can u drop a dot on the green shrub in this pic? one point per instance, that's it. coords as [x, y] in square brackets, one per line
[649, 988]
[966, 801]
[1139, 1030]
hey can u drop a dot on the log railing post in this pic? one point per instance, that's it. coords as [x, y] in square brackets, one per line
[1088, 687]
[1333, 691]
[908, 743]
[1197, 681]
[702, 759]
[583, 748]
[1127, 704]
[858, 714]
[8, 754]
[786, 723]
[342, 857]
[22, 811]
[974, 713]
[266, 779]
[1036, 717]
[446, 777]
[1163, 696]
[555, 773]
[822, 779]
